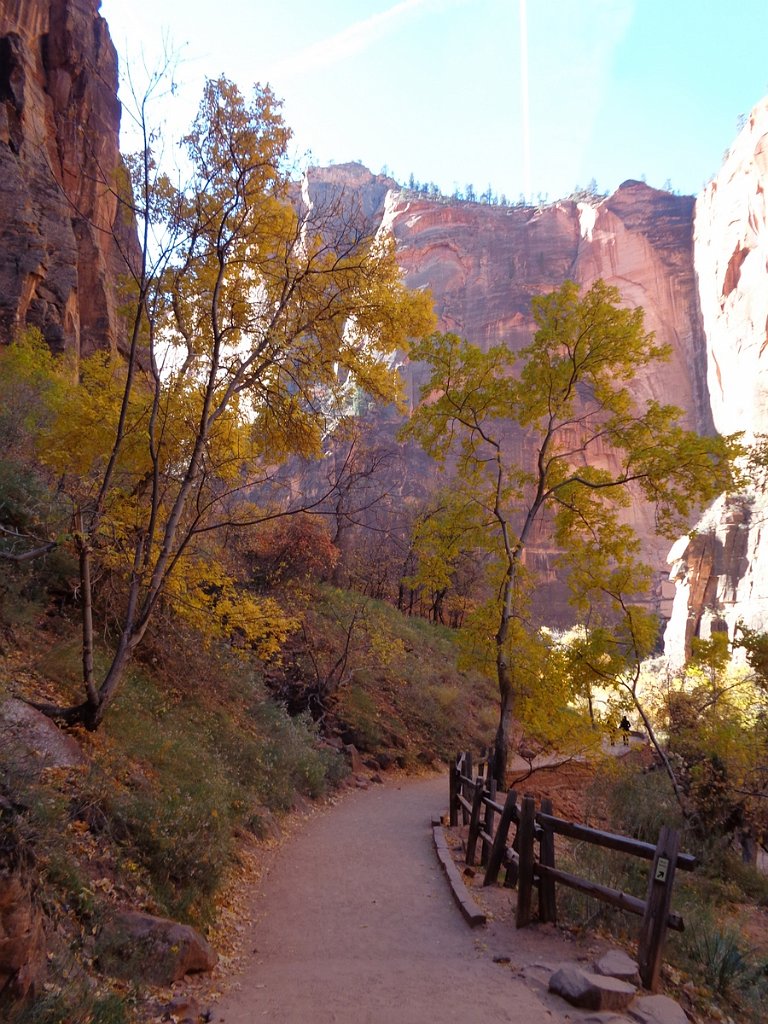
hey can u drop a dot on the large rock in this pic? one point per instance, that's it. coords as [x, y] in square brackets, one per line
[62, 235]
[34, 741]
[156, 950]
[615, 963]
[484, 264]
[591, 991]
[731, 256]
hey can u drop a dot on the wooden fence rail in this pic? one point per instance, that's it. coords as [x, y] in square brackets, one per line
[475, 798]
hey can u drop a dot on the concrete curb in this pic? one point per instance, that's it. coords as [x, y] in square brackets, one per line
[472, 913]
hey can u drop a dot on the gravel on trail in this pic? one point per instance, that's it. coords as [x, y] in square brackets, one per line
[355, 924]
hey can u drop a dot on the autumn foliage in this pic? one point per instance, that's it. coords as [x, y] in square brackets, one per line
[255, 318]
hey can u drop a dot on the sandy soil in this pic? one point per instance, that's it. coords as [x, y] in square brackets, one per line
[354, 922]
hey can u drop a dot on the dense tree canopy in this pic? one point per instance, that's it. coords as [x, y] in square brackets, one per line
[256, 316]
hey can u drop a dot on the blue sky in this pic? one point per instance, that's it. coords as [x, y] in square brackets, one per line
[615, 89]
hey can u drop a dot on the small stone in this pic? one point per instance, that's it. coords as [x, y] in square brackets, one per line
[377, 779]
[182, 1008]
[300, 803]
[657, 1010]
[616, 964]
[355, 761]
[591, 991]
[604, 1018]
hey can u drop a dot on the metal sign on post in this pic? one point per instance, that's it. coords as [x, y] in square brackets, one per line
[662, 867]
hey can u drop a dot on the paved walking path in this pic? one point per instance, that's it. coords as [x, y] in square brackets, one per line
[355, 925]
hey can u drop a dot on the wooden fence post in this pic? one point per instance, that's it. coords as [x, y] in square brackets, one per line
[657, 902]
[526, 831]
[547, 900]
[488, 819]
[466, 771]
[453, 789]
[474, 820]
[496, 855]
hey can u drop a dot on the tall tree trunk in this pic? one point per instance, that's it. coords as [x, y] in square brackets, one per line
[112, 680]
[504, 730]
[86, 592]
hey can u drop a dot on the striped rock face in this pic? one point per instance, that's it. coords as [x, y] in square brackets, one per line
[483, 264]
[61, 236]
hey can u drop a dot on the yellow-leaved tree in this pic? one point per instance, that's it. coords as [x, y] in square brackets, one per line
[254, 313]
[569, 394]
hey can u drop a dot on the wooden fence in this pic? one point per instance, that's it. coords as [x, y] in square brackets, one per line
[474, 798]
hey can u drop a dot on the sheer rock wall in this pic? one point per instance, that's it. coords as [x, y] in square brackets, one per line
[731, 258]
[61, 234]
[483, 265]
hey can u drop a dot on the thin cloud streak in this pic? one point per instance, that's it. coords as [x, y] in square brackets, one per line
[350, 41]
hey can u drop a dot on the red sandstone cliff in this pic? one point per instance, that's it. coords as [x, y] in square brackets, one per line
[483, 265]
[60, 232]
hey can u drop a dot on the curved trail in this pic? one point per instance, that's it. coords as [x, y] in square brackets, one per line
[355, 924]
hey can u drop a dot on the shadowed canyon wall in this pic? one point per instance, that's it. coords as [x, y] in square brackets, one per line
[61, 235]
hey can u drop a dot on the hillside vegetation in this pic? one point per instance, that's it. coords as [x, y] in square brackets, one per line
[198, 754]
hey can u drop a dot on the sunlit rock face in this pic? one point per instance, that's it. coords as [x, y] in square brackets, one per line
[731, 255]
[483, 265]
[61, 236]
[722, 574]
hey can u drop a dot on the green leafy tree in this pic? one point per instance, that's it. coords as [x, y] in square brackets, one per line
[717, 728]
[570, 394]
[254, 316]
[445, 542]
[754, 642]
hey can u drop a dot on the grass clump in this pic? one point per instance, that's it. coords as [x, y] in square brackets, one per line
[195, 775]
[74, 1005]
[717, 953]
